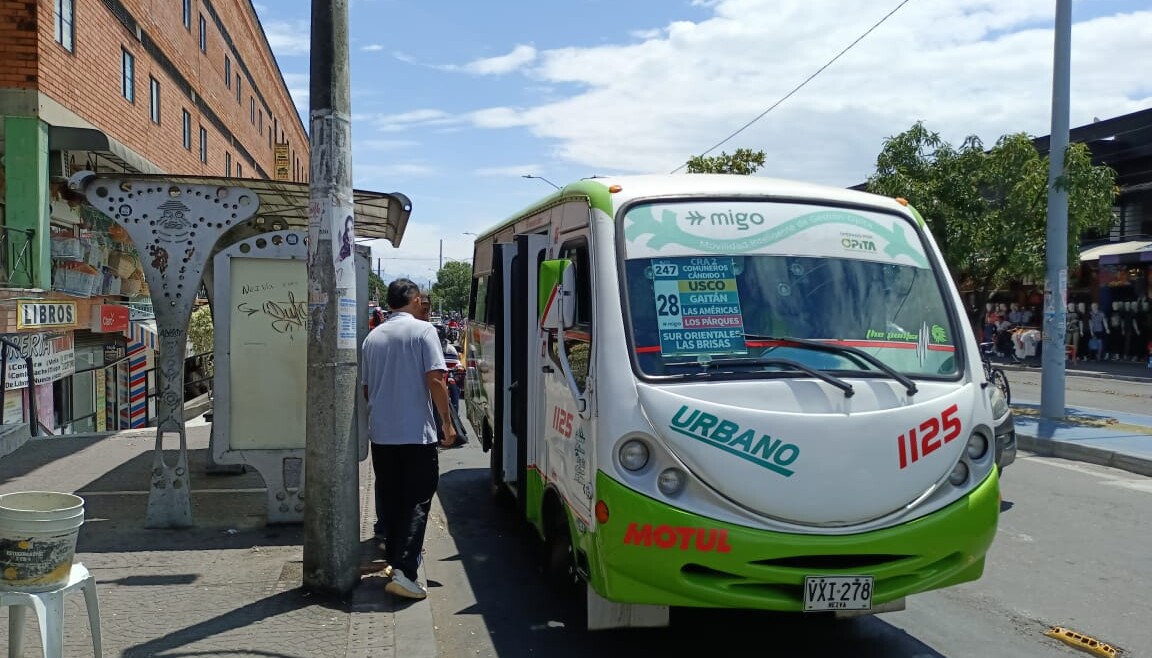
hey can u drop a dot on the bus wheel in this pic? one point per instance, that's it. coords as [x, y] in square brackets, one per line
[560, 555]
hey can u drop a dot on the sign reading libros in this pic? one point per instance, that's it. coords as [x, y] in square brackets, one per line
[45, 315]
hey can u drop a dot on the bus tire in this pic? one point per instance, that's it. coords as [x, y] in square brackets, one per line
[559, 551]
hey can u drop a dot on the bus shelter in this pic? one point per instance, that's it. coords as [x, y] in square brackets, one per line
[245, 240]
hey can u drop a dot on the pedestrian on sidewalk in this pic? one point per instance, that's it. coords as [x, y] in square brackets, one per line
[403, 376]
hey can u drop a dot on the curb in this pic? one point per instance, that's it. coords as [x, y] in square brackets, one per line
[1089, 374]
[1082, 453]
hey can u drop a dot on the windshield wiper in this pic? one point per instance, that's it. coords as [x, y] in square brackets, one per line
[833, 348]
[752, 361]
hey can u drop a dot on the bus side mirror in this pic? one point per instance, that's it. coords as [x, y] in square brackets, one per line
[557, 296]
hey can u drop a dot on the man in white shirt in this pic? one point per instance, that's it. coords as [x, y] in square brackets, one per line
[403, 374]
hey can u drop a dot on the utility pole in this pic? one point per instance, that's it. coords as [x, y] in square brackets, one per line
[1056, 287]
[441, 255]
[331, 461]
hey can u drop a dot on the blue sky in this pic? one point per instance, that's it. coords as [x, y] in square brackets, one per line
[454, 100]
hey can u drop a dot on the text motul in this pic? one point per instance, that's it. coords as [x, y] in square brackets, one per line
[685, 538]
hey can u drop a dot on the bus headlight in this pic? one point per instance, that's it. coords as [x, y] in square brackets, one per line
[959, 474]
[634, 454]
[977, 446]
[998, 401]
[671, 481]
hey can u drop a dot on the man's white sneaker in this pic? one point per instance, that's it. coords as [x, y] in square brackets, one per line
[403, 586]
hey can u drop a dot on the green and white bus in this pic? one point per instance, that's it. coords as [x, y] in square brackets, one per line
[732, 392]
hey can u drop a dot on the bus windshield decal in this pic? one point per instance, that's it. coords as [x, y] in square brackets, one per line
[697, 306]
[740, 228]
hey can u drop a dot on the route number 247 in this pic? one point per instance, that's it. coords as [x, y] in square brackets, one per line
[919, 442]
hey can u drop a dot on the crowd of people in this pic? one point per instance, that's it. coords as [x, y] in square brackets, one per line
[411, 379]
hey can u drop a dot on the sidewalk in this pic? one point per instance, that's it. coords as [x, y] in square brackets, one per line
[1119, 370]
[229, 586]
[1108, 438]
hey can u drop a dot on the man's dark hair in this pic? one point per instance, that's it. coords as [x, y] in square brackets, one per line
[401, 292]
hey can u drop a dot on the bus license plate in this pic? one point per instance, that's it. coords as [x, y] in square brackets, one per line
[837, 593]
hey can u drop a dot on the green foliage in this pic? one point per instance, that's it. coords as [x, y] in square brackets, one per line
[453, 283]
[743, 161]
[377, 288]
[200, 330]
[988, 209]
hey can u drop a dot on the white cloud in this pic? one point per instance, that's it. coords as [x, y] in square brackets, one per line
[386, 144]
[298, 88]
[413, 119]
[380, 173]
[288, 38]
[649, 105]
[372, 48]
[507, 170]
[520, 57]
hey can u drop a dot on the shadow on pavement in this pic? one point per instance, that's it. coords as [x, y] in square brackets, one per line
[524, 618]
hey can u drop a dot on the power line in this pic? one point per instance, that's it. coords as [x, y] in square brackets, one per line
[799, 86]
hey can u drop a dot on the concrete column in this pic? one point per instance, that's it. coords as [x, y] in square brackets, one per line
[26, 180]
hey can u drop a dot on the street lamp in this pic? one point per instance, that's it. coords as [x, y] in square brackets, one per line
[541, 178]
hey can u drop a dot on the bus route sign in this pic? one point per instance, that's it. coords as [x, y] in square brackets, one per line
[698, 306]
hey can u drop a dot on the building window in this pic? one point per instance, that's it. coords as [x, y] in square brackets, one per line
[128, 75]
[252, 109]
[260, 120]
[187, 130]
[269, 136]
[227, 71]
[187, 14]
[203, 34]
[237, 87]
[227, 164]
[239, 171]
[203, 145]
[65, 30]
[154, 100]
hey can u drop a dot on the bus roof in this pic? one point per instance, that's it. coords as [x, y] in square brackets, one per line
[596, 192]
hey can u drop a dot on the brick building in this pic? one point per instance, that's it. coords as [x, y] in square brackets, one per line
[112, 86]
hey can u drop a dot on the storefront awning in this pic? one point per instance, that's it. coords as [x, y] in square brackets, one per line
[379, 215]
[69, 138]
[1114, 253]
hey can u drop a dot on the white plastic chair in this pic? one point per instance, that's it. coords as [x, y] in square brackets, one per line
[49, 608]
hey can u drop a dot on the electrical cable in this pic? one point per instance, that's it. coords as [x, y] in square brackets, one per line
[799, 86]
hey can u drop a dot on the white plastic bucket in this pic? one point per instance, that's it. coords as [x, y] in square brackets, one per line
[38, 531]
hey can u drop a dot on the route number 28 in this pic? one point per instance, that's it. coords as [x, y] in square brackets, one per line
[668, 304]
[919, 442]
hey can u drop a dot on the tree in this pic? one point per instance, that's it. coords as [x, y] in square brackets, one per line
[453, 283]
[743, 161]
[377, 289]
[988, 209]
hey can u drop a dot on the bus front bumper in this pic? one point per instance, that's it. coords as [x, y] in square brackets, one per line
[653, 553]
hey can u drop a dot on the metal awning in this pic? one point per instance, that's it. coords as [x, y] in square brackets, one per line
[379, 215]
[1112, 251]
[70, 138]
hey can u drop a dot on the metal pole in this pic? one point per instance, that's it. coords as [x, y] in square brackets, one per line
[441, 255]
[332, 510]
[1056, 293]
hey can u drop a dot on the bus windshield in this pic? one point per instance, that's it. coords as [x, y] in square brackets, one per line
[753, 303]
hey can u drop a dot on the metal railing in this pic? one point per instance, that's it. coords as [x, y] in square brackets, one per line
[16, 255]
[199, 363]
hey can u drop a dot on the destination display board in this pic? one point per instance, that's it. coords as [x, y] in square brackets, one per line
[698, 306]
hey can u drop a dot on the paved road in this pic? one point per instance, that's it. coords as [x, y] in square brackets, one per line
[1071, 551]
[1095, 393]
